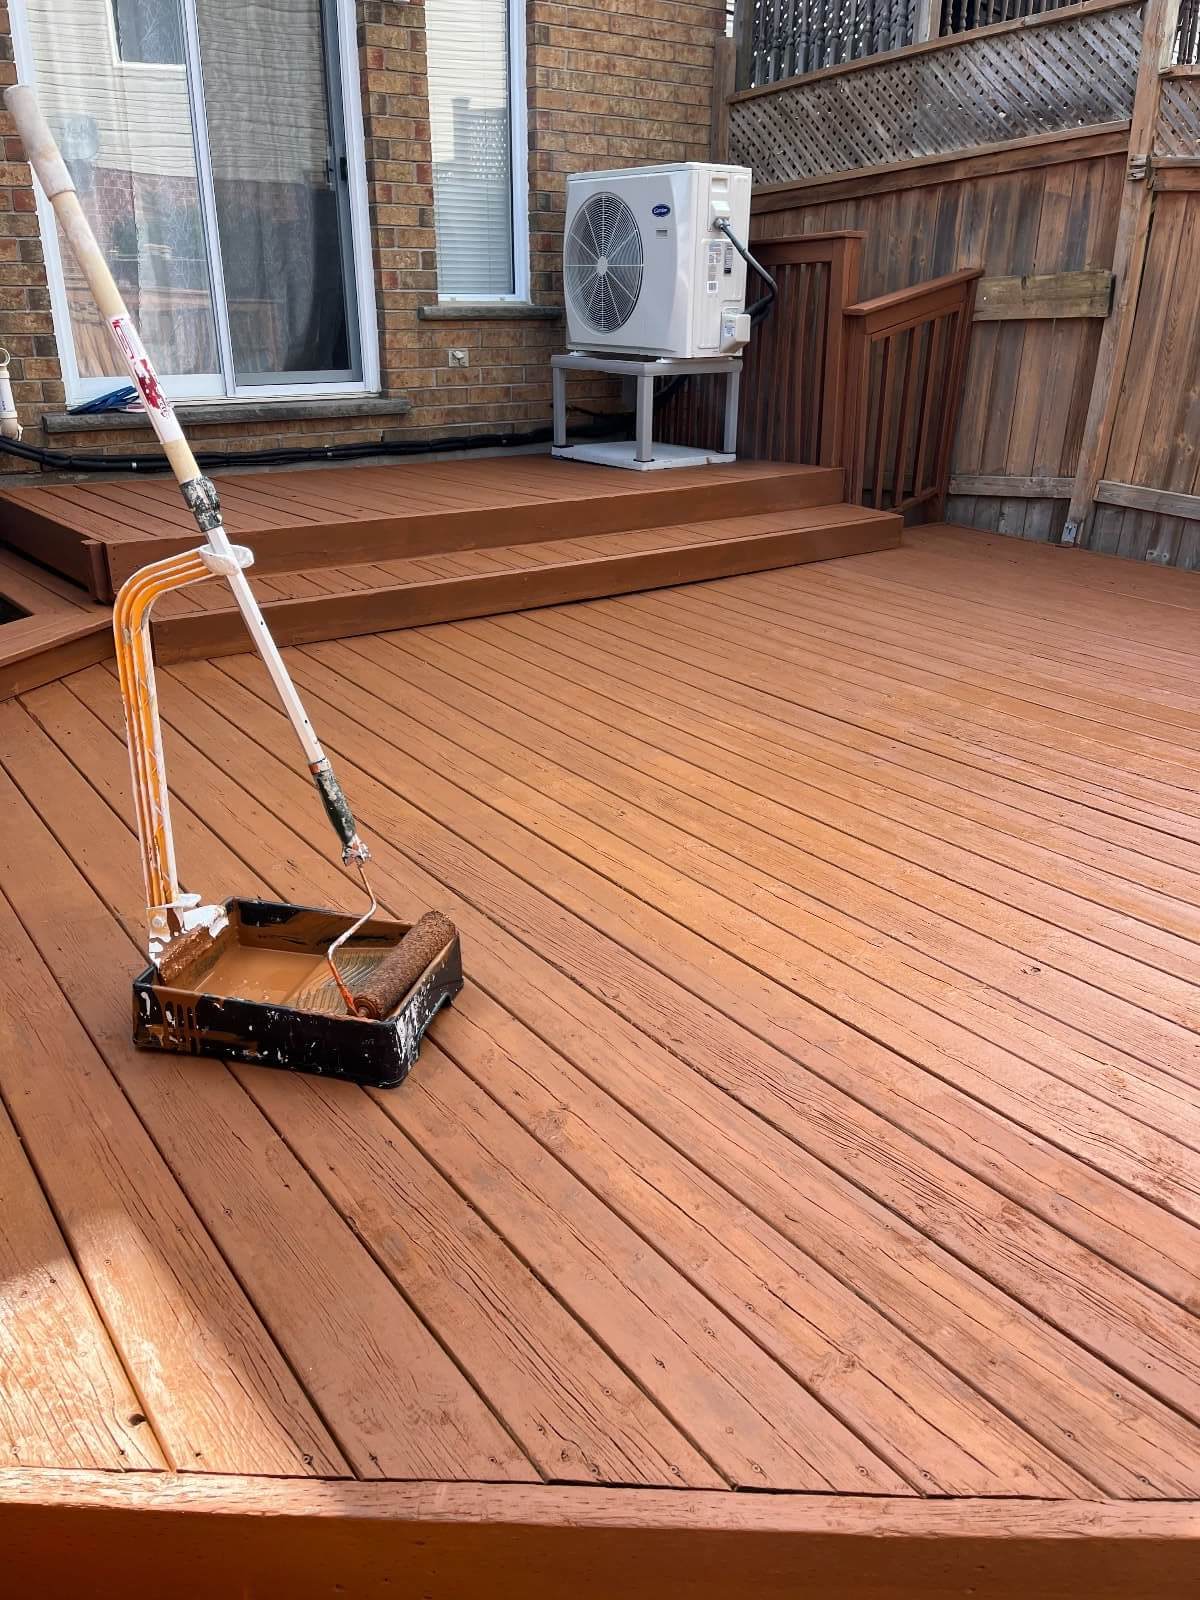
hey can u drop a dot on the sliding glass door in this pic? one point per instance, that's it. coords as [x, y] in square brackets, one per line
[207, 139]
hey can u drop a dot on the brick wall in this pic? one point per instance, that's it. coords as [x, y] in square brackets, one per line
[610, 83]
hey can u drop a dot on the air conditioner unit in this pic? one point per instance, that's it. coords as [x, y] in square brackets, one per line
[645, 269]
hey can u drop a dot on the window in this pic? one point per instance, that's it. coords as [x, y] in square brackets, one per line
[210, 150]
[476, 55]
[149, 31]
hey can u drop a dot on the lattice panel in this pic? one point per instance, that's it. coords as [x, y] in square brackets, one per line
[1178, 131]
[1070, 71]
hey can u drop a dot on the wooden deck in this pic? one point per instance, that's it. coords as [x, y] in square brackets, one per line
[341, 551]
[821, 1119]
[351, 519]
[55, 626]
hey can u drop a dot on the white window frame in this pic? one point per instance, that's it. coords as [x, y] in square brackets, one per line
[120, 61]
[216, 387]
[518, 146]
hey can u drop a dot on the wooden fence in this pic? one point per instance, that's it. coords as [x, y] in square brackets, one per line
[1025, 216]
[1084, 355]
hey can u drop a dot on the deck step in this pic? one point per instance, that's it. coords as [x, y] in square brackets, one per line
[37, 650]
[61, 630]
[370, 597]
[99, 531]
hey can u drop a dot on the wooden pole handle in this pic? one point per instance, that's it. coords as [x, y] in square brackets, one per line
[52, 173]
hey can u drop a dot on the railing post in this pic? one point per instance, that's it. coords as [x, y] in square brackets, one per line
[954, 383]
[743, 35]
[1129, 258]
[843, 291]
[927, 20]
[724, 78]
[854, 431]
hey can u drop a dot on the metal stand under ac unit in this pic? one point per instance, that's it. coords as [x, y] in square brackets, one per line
[641, 453]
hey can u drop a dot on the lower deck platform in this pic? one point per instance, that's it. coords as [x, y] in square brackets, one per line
[350, 550]
[804, 1194]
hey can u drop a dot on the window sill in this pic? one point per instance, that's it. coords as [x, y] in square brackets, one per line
[201, 413]
[488, 311]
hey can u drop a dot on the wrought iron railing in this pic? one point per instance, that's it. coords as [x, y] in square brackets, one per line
[1187, 35]
[780, 39]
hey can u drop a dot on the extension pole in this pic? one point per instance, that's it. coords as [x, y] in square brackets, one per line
[198, 491]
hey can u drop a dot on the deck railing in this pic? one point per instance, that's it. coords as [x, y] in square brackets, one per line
[905, 359]
[1071, 69]
[780, 39]
[872, 386]
[794, 367]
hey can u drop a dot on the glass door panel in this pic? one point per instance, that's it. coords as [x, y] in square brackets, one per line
[280, 190]
[113, 81]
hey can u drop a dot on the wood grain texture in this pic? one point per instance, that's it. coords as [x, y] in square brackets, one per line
[79, 1410]
[820, 1112]
[180, 1319]
[1038, 295]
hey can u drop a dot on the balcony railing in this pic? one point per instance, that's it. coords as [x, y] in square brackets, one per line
[780, 39]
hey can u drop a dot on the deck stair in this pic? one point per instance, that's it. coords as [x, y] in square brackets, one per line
[342, 551]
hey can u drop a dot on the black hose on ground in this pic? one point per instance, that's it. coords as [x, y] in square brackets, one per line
[295, 455]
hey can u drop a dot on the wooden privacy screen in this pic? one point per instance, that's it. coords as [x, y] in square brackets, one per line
[1068, 69]
[905, 356]
[1177, 132]
[794, 367]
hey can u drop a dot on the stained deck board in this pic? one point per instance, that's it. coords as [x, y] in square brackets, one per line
[179, 1318]
[309, 605]
[405, 1412]
[916, 1391]
[830, 1033]
[343, 550]
[82, 1407]
[100, 530]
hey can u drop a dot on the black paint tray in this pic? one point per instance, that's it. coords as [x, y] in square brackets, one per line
[260, 992]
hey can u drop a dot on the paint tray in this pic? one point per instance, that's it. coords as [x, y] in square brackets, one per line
[261, 992]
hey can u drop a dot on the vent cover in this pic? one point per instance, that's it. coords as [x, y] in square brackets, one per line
[602, 263]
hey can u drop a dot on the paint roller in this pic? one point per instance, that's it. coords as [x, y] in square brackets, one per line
[170, 912]
[377, 995]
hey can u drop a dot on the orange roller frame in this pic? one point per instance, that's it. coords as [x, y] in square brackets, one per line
[135, 668]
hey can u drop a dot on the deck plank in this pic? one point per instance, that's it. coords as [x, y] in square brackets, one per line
[689, 901]
[917, 1401]
[219, 1396]
[396, 1403]
[650, 1343]
[569, 1403]
[821, 1111]
[79, 1410]
[707, 1038]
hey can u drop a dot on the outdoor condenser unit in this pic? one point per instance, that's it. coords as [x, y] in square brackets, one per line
[647, 270]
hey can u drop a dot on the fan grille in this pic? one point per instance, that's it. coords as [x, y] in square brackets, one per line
[602, 262]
